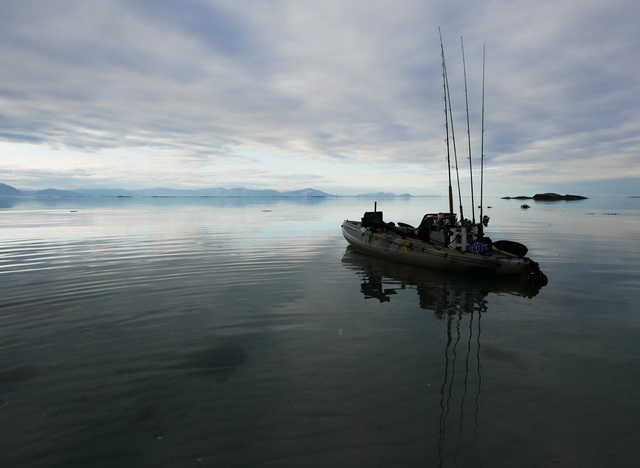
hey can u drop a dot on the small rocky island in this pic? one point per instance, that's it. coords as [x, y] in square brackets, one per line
[547, 197]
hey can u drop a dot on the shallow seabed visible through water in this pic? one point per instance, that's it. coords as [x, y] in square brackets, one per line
[243, 332]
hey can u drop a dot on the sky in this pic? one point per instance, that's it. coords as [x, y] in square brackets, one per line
[345, 96]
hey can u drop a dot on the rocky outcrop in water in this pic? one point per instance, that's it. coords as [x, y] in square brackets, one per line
[547, 197]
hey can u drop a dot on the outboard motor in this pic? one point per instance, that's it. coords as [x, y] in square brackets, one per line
[373, 219]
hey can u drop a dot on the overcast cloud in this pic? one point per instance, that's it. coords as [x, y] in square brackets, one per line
[343, 96]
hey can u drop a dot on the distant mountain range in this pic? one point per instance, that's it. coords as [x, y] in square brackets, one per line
[383, 195]
[8, 191]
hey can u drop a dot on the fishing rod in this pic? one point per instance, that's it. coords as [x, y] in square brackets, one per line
[455, 151]
[446, 120]
[449, 120]
[466, 96]
[482, 141]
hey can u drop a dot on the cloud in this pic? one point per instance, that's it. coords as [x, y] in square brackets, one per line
[193, 93]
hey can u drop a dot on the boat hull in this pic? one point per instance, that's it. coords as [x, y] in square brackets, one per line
[412, 251]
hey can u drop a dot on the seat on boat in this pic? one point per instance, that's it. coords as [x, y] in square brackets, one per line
[435, 228]
[433, 233]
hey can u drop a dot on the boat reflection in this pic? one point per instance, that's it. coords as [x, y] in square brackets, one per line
[460, 302]
[439, 291]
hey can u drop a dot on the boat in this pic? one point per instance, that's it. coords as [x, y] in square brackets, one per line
[442, 240]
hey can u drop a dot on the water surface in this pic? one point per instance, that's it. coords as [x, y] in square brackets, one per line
[243, 332]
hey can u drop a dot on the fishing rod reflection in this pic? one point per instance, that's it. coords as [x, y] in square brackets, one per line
[460, 302]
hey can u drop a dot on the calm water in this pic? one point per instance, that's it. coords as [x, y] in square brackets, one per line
[240, 332]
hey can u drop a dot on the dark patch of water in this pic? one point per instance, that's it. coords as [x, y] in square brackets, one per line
[219, 362]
